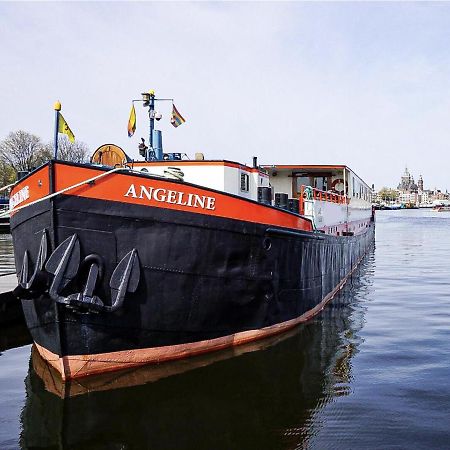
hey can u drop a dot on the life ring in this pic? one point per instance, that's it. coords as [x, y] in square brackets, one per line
[338, 186]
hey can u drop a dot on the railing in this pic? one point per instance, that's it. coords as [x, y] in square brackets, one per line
[3, 213]
[310, 193]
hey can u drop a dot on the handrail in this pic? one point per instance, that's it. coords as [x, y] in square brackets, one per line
[310, 193]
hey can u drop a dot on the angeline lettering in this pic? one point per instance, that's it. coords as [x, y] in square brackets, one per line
[162, 195]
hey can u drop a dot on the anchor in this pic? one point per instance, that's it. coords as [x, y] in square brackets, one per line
[63, 264]
[124, 279]
[32, 286]
[86, 300]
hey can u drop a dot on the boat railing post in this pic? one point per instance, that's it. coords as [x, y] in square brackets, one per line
[302, 200]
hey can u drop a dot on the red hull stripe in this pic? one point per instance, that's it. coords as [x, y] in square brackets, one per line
[37, 186]
[160, 193]
[163, 193]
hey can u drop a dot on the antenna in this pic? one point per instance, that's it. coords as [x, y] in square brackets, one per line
[152, 153]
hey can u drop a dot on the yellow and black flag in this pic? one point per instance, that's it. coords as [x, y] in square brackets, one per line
[64, 128]
[132, 121]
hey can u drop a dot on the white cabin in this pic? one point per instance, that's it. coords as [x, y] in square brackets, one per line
[338, 201]
[224, 176]
[335, 199]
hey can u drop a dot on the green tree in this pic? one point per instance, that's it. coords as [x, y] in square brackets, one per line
[388, 194]
[7, 176]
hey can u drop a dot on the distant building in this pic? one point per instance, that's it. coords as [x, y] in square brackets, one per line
[407, 183]
[420, 183]
[408, 190]
[414, 194]
[408, 198]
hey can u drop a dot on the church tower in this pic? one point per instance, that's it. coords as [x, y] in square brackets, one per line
[420, 183]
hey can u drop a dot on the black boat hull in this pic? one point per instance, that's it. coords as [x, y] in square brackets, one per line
[206, 282]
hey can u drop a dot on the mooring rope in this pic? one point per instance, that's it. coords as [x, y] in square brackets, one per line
[54, 194]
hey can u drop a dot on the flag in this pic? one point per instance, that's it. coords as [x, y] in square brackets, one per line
[132, 121]
[64, 128]
[176, 119]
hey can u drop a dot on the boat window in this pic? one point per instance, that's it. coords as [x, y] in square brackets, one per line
[245, 182]
[321, 183]
[302, 181]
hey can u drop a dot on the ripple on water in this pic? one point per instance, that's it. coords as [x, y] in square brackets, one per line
[370, 372]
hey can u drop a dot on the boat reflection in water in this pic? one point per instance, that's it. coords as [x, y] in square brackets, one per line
[240, 398]
[13, 336]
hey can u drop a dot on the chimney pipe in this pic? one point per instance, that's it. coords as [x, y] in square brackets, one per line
[255, 162]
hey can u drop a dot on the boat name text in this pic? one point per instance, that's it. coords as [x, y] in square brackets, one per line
[19, 197]
[172, 197]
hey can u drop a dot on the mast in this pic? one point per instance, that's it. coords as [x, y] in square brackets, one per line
[151, 114]
[154, 151]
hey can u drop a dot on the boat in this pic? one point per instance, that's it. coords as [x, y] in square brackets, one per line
[442, 208]
[441, 205]
[123, 263]
[394, 206]
[299, 372]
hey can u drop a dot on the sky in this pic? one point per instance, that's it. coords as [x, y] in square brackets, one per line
[363, 84]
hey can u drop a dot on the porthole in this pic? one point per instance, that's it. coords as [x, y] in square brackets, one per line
[267, 244]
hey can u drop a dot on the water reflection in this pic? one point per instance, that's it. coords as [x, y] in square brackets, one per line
[13, 336]
[265, 399]
[6, 255]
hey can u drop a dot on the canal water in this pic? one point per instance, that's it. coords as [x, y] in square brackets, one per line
[372, 371]
[6, 255]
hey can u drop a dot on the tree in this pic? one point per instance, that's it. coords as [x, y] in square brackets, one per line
[70, 151]
[7, 175]
[388, 194]
[22, 151]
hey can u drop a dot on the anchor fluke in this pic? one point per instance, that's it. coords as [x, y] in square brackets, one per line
[125, 278]
[32, 286]
[63, 264]
[23, 276]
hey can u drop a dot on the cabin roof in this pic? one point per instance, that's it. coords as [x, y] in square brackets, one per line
[308, 167]
[196, 162]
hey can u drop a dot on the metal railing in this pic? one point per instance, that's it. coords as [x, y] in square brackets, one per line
[310, 193]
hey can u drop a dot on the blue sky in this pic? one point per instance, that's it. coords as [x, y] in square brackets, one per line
[364, 84]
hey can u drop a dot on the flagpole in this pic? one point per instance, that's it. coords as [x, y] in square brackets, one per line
[57, 107]
[151, 115]
[148, 99]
